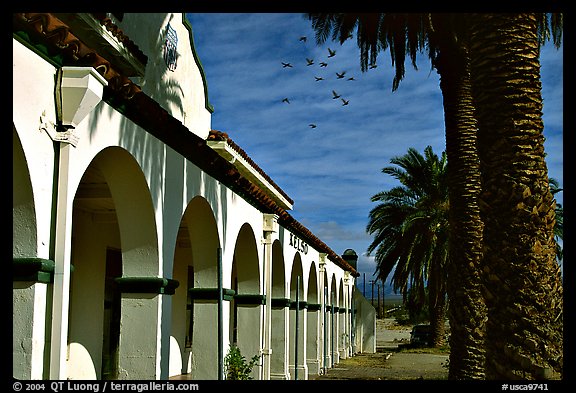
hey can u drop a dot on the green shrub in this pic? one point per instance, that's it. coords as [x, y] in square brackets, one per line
[235, 365]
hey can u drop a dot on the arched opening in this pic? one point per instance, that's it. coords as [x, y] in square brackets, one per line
[24, 234]
[30, 288]
[246, 305]
[297, 338]
[113, 238]
[326, 358]
[193, 347]
[280, 305]
[333, 321]
[342, 333]
[194, 341]
[313, 334]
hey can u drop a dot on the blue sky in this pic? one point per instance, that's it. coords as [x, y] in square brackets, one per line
[332, 171]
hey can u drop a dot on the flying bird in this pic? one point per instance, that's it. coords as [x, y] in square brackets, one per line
[336, 95]
[344, 102]
[303, 39]
[284, 65]
[319, 78]
[351, 78]
[341, 75]
[286, 100]
[331, 52]
[312, 125]
[309, 61]
[323, 64]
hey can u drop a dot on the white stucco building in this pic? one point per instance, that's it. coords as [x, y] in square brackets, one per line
[144, 242]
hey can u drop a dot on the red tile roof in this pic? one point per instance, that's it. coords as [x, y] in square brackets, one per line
[215, 135]
[120, 36]
[62, 42]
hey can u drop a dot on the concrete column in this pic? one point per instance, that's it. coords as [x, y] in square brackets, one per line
[279, 343]
[139, 337]
[323, 322]
[334, 331]
[28, 337]
[342, 346]
[313, 349]
[62, 252]
[345, 351]
[301, 342]
[78, 91]
[205, 345]
[269, 228]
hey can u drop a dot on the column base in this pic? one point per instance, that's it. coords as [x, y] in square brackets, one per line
[314, 366]
[280, 376]
[302, 372]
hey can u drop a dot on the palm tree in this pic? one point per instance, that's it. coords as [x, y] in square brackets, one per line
[410, 231]
[446, 42]
[448, 38]
[523, 286]
[449, 53]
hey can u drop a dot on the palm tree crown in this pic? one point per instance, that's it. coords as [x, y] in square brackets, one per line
[410, 222]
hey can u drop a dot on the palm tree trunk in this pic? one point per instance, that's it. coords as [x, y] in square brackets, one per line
[523, 287]
[466, 309]
[437, 304]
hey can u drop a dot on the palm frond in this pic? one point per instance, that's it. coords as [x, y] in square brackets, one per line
[409, 224]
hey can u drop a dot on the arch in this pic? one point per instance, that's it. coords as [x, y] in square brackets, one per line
[24, 227]
[113, 236]
[333, 334]
[296, 272]
[312, 293]
[246, 261]
[134, 210]
[297, 337]
[342, 337]
[246, 305]
[280, 317]
[29, 301]
[194, 334]
[202, 228]
[194, 266]
[278, 271]
[313, 323]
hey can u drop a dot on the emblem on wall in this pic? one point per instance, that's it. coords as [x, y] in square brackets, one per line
[170, 47]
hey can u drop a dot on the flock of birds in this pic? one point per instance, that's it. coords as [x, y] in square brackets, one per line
[322, 64]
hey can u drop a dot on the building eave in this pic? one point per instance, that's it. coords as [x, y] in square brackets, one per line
[248, 170]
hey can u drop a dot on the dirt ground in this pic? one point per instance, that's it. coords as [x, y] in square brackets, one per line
[390, 363]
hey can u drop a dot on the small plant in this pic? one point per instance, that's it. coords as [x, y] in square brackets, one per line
[235, 364]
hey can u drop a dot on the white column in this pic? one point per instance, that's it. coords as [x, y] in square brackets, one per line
[270, 227]
[324, 332]
[62, 252]
[347, 331]
[78, 91]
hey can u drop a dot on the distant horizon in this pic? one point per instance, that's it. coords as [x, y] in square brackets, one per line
[389, 292]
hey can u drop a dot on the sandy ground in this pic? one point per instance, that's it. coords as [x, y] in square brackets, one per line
[388, 363]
